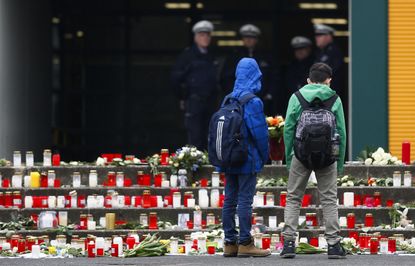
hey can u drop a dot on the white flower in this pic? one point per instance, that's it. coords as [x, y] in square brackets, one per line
[193, 154]
[380, 150]
[193, 149]
[344, 184]
[176, 165]
[281, 124]
[394, 159]
[185, 149]
[368, 161]
[350, 183]
[344, 178]
[118, 160]
[136, 161]
[387, 156]
[398, 162]
[100, 161]
[74, 163]
[377, 157]
[383, 162]
[181, 155]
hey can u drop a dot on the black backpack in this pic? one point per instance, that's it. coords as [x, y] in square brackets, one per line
[226, 142]
[316, 138]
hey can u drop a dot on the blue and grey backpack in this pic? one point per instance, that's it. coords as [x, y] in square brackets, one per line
[227, 147]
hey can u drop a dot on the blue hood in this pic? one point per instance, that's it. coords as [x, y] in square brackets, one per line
[248, 78]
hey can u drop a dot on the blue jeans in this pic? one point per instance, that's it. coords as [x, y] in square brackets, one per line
[239, 195]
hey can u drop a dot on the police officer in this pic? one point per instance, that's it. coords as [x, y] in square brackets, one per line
[297, 71]
[328, 52]
[195, 82]
[250, 38]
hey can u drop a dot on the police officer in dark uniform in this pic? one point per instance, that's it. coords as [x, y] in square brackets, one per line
[296, 73]
[329, 53]
[195, 82]
[250, 37]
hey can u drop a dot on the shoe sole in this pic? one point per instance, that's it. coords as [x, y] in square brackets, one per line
[288, 256]
[252, 255]
[336, 257]
[230, 255]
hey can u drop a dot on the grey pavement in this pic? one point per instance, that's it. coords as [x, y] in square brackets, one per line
[360, 260]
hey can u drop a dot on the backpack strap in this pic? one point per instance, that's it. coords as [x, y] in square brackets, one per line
[304, 104]
[330, 101]
[246, 98]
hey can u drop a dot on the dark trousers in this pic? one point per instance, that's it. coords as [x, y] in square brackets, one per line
[239, 195]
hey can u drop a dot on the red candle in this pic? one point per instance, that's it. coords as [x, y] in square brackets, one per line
[140, 175]
[314, 241]
[389, 203]
[8, 199]
[391, 244]
[369, 201]
[130, 242]
[266, 242]
[111, 179]
[56, 183]
[164, 160]
[146, 199]
[221, 200]
[306, 200]
[355, 235]
[56, 159]
[114, 250]
[157, 180]
[203, 182]
[374, 246]
[369, 222]
[1, 199]
[153, 200]
[351, 221]
[81, 201]
[91, 250]
[17, 199]
[168, 200]
[378, 200]
[127, 182]
[190, 225]
[203, 224]
[43, 180]
[363, 241]
[211, 250]
[6, 183]
[152, 221]
[146, 180]
[357, 200]
[21, 245]
[127, 200]
[406, 152]
[283, 198]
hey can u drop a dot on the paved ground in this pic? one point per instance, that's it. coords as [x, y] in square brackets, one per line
[308, 260]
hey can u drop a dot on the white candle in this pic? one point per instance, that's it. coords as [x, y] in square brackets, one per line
[91, 225]
[214, 198]
[17, 181]
[191, 203]
[343, 221]
[28, 202]
[215, 179]
[118, 241]
[63, 218]
[160, 203]
[52, 201]
[165, 183]
[272, 222]
[27, 180]
[203, 198]
[348, 199]
[93, 179]
[102, 221]
[35, 251]
[60, 203]
[173, 180]
[5, 246]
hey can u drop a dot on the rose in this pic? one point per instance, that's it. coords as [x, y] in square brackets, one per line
[100, 161]
[368, 161]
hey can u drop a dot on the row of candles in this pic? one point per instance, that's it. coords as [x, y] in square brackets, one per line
[113, 179]
[175, 199]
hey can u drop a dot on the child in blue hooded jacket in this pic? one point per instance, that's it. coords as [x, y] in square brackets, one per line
[241, 181]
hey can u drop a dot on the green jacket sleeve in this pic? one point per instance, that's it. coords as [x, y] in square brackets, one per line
[293, 112]
[341, 129]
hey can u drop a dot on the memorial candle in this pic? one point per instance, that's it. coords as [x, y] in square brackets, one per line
[406, 152]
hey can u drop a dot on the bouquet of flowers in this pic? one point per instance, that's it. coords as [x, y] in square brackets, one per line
[275, 127]
[154, 162]
[189, 158]
[378, 157]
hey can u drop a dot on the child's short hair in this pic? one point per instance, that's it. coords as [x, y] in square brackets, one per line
[319, 72]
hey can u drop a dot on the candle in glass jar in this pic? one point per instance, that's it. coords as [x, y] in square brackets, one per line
[177, 200]
[119, 179]
[152, 221]
[203, 198]
[173, 180]
[391, 245]
[397, 179]
[348, 199]
[93, 178]
[63, 218]
[17, 199]
[197, 219]
[351, 221]
[111, 179]
[201, 244]
[374, 245]
[270, 199]
[35, 179]
[266, 241]
[369, 222]
[191, 203]
[188, 243]
[51, 201]
[17, 180]
[17, 159]
[146, 199]
[56, 159]
[215, 179]
[383, 246]
[29, 159]
[47, 158]
[76, 179]
[210, 219]
[407, 179]
[272, 222]
[174, 246]
[164, 160]
[51, 178]
[214, 198]
[283, 198]
[91, 225]
[28, 202]
[377, 199]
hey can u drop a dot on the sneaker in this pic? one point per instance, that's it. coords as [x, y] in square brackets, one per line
[248, 249]
[336, 251]
[288, 252]
[230, 249]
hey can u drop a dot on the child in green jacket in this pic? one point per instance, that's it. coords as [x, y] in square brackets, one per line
[318, 88]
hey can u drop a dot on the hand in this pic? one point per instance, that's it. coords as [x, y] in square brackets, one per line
[181, 105]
